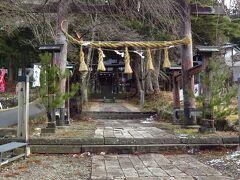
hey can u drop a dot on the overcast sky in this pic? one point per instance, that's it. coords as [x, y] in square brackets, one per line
[229, 2]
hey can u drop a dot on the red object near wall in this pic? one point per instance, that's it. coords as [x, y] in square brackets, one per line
[3, 73]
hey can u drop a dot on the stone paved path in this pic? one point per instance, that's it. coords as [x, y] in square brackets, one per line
[124, 129]
[117, 131]
[131, 133]
[152, 167]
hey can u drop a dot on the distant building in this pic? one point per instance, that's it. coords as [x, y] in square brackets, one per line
[232, 59]
[230, 52]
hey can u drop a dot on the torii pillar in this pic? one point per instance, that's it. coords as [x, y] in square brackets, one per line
[187, 63]
[186, 54]
[60, 59]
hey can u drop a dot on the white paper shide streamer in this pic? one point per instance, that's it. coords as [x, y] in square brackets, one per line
[36, 75]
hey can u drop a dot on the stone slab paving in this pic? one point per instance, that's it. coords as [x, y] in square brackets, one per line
[128, 129]
[121, 123]
[152, 167]
[131, 133]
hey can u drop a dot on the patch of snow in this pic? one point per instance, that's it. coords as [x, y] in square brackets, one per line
[36, 134]
[74, 155]
[148, 120]
[192, 150]
[233, 156]
[215, 161]
[102, 153]
[85, 154]
[184, 136]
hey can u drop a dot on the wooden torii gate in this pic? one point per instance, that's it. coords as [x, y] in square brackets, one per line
[187, 54]
[63, 7]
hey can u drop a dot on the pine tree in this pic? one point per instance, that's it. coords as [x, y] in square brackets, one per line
[50, 78]
[222, 95]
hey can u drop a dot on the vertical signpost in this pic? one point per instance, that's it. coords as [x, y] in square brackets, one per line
[239, 112]
[23, 107]
[70, 67]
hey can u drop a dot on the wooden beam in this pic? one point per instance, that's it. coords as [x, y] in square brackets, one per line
[90, 9]
[194, 70]
[39, 8]
[80, 8]
[206, 10]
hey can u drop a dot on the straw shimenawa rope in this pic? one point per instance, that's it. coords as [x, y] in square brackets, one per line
[149, 60]
[120, 44]
[82, 67]
[128, 69]
[166, 63]
[101, 66]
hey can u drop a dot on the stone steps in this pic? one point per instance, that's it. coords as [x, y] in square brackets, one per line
[113, 145]
[123, 149]
[118, 115]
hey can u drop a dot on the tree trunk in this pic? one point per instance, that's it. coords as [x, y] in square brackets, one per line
[155, 74]
[152, 79]
[136, 70]
[86, 77]
[83, 87]
[148, 83]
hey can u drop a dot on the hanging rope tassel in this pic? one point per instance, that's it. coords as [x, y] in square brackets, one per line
[82, 65]
[128, 69]
[101, 66]
[166, 63]
[149, 60]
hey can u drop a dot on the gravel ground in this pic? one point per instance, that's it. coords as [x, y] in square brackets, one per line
[77, 166]
[48, 167]
[225, 161]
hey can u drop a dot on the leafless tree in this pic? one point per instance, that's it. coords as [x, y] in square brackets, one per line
[120, 20]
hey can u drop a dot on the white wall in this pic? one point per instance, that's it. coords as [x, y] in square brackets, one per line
[196, 91]
[228, 57]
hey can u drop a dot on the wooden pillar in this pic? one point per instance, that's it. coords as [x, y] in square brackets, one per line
[10, 71]
[208, 114]
[61, 58]
[176, 97]
[187, 63]
[23, 108]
